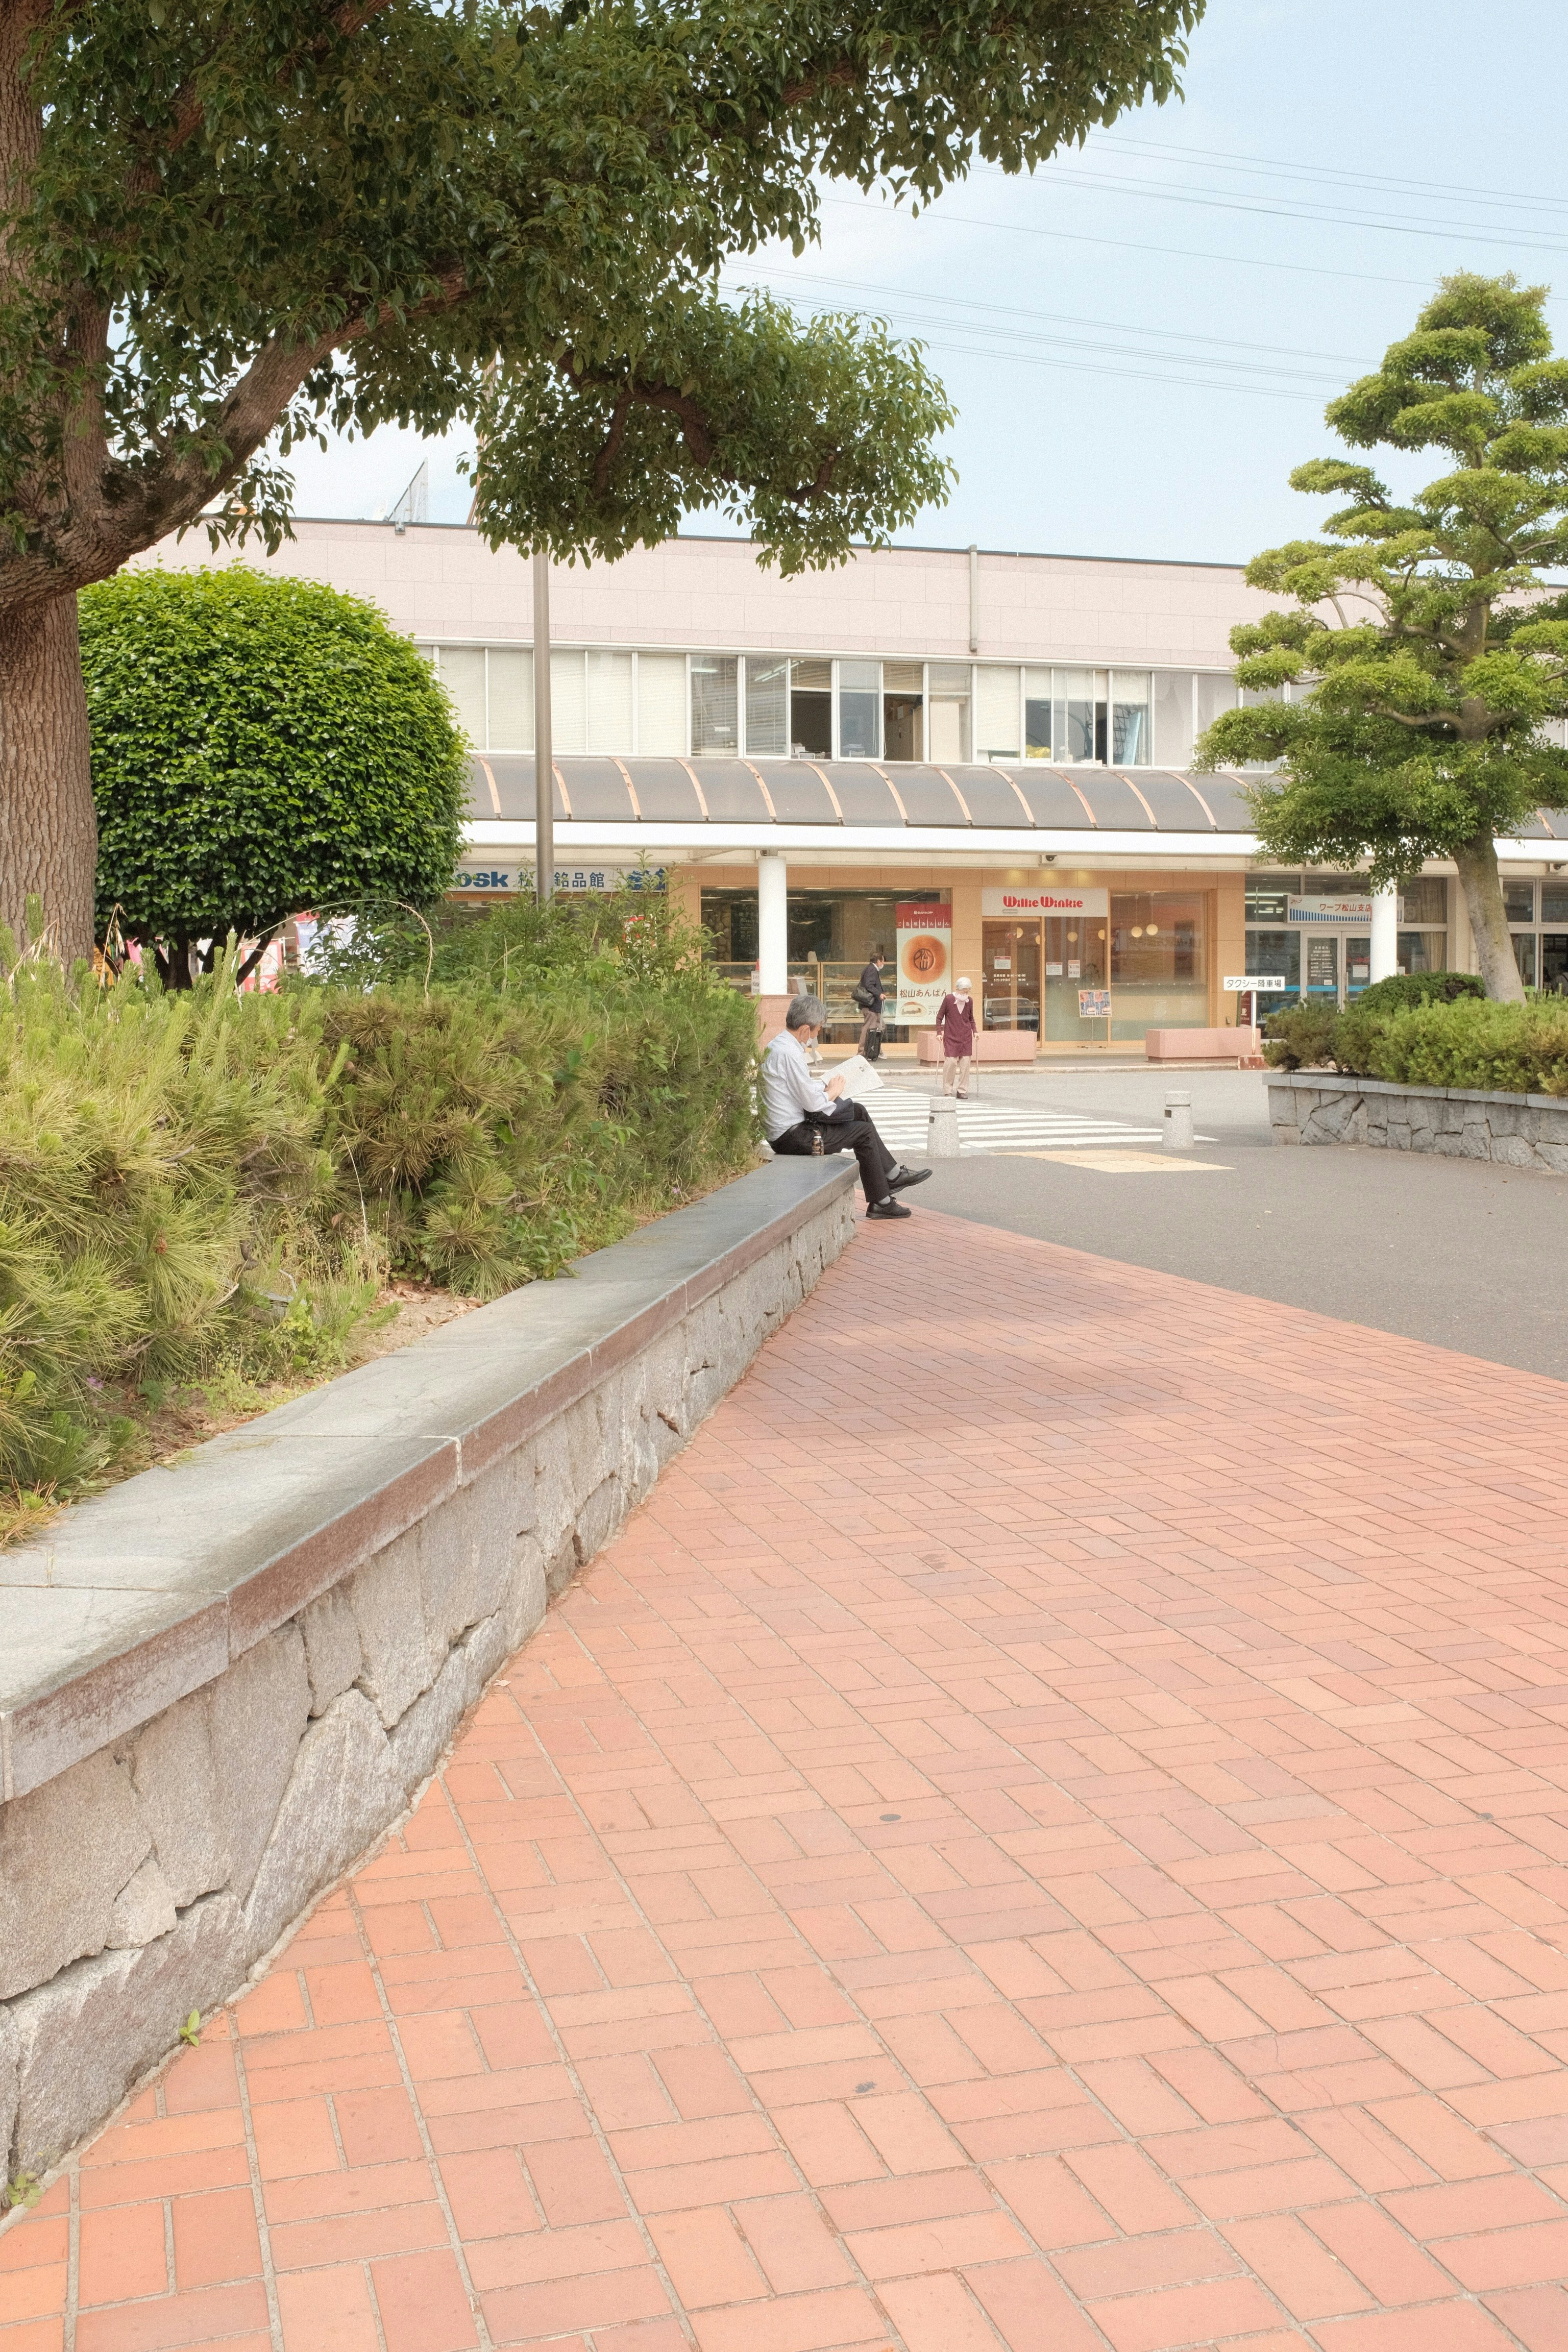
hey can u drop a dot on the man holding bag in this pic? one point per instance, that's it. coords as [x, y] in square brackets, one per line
[955, 1025]
[868, 997]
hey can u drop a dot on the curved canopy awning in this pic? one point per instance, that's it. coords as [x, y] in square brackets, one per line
[1028, 796]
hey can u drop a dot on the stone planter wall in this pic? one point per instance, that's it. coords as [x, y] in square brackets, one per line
[223, 1680]
[1319, 1106]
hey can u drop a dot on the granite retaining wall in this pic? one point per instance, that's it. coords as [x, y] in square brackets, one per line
[223, 1680]
[1320, 1106]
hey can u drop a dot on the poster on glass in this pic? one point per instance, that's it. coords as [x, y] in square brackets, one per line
[925, 961]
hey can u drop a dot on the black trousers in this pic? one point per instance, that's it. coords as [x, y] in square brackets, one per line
[850, 1130]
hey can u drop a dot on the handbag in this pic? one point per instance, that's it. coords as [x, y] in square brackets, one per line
[861, 995]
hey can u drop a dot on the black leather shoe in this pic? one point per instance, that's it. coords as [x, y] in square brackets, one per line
[889, 1209]
[902, 1178]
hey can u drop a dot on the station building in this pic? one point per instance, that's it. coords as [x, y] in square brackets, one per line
[987, 749]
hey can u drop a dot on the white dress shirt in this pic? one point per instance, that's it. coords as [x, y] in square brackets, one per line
[790, 1093]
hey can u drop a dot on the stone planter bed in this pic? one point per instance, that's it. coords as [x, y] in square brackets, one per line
[223, 1680]
[1324, 1107]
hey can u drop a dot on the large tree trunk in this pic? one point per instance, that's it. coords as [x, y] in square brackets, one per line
[1477, 866]
[48, 827]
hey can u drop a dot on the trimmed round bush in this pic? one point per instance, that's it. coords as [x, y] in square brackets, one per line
[260, 748]
[1408, 988]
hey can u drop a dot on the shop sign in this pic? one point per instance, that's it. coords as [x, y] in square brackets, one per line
[1022, 901]
[1267, 982]
[507, 880]
[925, 960]
[1094, 1004]
[1330, 914]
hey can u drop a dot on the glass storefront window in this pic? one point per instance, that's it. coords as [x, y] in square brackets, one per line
[1173, 718]
[715, 700]
[1213, 692]
[1077, 719]
[831, 936]
[463, 675]
[903, 710]
[1276, 955]
[1553, 902]
[1518, 901]
[1554, 963]
[1424, 901]
[1423, 950]
[609, 701]
[947, 702]
[1267, 899]
[1358, 965]
[1159, 972]
[511, 669]
[1524, 956]
[568, 704]
[661, 703]
[811, 709]
[859, 711]
[1036, 714]
[767, 705]
[997, 713]
[1130, 718]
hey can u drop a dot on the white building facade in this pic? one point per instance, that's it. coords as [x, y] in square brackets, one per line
[1006, 736]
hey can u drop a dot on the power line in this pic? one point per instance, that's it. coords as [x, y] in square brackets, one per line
[1055, 357]
[1446, 192]
[1319, 216]
[1137, 244]
[1066, 318]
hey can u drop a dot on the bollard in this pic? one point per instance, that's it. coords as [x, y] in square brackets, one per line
[941, 1141]
[1178, 1130]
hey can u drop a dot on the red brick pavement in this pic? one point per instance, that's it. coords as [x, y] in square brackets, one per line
[995, 1854]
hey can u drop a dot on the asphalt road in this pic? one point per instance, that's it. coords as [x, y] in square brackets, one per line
[1458, 1251]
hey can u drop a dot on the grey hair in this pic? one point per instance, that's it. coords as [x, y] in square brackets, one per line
[805, 1012]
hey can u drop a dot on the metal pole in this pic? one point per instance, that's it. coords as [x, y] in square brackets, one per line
[543, 744]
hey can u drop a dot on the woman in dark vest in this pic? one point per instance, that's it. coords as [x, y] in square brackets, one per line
[955, 1025]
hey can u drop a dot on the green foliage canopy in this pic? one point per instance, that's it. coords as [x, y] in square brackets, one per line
[1425, 648]
[260, 747]
[231, 222]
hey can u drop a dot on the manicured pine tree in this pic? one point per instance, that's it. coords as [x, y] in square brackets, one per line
[1426, 649]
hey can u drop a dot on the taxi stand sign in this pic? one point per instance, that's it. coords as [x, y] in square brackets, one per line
[1267, 983]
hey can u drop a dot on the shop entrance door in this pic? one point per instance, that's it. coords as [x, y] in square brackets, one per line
[1323, 962]
[1075, 959]
[1338, 968]
[1010, 976]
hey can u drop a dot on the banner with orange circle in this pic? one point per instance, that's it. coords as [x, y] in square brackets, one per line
[925, 960]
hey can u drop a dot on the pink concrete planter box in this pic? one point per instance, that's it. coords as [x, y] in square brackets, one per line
[1201, 1044]
[989, 1046]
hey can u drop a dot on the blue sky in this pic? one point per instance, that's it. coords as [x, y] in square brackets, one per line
[1140, 337]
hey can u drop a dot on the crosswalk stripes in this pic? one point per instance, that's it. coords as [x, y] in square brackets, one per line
[902, 1119]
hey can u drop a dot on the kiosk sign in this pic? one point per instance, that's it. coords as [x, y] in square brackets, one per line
[925, 961]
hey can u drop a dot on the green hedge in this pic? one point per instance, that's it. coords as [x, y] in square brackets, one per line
[210, 1186]
[1468, 1042]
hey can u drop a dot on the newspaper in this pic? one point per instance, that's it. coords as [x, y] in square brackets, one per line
[858, 1075]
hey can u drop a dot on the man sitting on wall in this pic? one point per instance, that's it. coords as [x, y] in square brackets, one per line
[797, 1108]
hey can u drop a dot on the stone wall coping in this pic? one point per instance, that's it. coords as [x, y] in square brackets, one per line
[147, 1591]
[1340, 1082]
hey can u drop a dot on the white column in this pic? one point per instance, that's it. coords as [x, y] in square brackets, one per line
[1385, 932]
[773, 924]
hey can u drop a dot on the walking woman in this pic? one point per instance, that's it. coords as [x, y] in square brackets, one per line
[955, 1021]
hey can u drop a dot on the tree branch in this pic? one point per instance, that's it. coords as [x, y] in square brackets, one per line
[613, 440]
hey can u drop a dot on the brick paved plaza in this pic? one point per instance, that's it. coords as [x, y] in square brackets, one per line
[1048, 1830]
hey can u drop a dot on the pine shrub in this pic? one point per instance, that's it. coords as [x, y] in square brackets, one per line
[205, 1184]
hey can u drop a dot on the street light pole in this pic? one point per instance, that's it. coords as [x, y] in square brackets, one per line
[543, 747]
